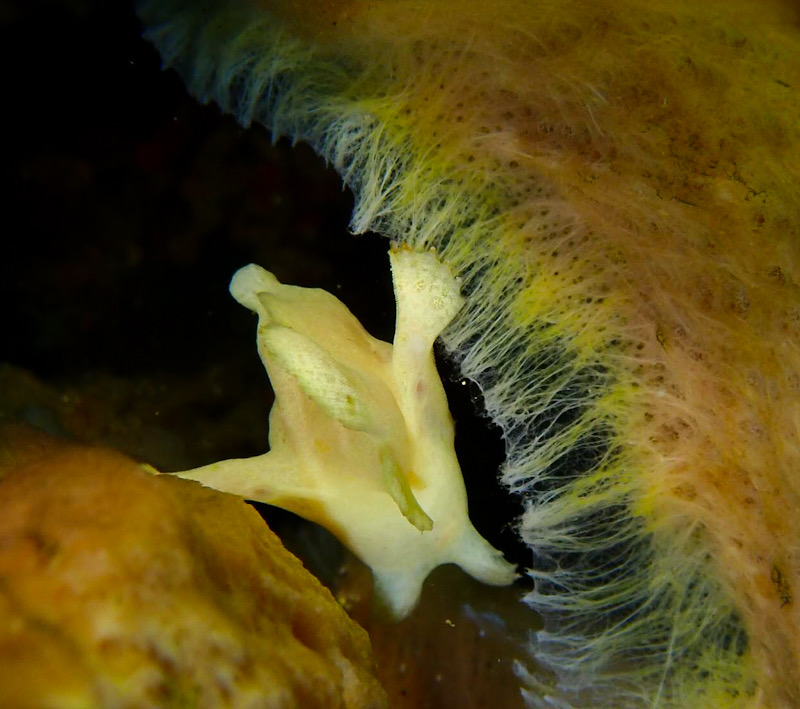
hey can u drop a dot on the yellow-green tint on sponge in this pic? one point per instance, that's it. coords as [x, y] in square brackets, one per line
[616, 183]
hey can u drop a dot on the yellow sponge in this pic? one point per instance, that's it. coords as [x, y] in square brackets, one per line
[616, 185]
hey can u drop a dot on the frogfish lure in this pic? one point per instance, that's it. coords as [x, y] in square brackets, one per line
[615, 184]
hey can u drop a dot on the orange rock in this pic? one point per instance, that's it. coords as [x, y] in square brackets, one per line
[121, 588]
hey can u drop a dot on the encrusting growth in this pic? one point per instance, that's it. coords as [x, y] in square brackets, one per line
[361, 438]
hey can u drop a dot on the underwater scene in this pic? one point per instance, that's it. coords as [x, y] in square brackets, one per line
[401, 353]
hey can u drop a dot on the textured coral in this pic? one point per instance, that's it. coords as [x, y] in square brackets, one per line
[616, 184]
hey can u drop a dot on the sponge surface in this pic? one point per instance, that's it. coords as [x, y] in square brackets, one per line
[616, 186]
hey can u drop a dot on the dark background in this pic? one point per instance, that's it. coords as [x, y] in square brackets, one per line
[127, 209]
